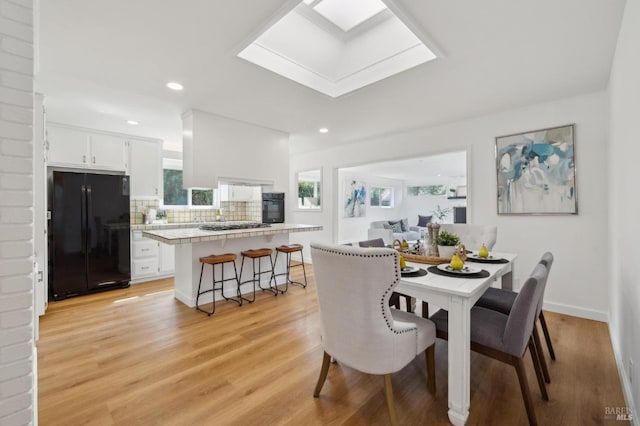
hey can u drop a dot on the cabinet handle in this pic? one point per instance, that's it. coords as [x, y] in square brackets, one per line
[145, 267]
[156, 191]
[84, 158]
[94, 159]
[144, 249]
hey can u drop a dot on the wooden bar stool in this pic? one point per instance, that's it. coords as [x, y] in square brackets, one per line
[287, 250]
[257, 255]
[213, 260]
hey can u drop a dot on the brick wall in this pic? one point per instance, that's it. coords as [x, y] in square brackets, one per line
[16, 213]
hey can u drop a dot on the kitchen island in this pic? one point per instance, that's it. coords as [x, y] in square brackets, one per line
[193, 243]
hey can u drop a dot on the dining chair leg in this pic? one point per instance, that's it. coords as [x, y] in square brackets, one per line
[533, 351]
[543, 362]
[430, 355]
[524, 388]
[407, 300]
[545, 330]
[326, 362]
[425, 310]
[388, 393]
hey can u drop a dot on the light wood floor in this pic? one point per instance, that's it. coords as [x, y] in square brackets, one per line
[139, 357]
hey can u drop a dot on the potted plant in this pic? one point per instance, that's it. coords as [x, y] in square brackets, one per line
[441, 213]
[453, 192]
[447, 242]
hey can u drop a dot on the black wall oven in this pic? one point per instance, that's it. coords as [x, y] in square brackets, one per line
[273, 207]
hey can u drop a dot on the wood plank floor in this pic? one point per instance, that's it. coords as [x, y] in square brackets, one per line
[139, 357]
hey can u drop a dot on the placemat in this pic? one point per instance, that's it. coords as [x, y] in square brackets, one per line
[419, 273]
[473, 259]
[435, 270]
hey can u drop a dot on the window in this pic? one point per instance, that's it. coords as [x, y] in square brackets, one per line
[382, 197]
[175, 194]
[310, 190]
[420, 191]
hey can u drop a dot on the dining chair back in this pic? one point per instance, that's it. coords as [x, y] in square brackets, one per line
[376, 242]
[359, 329]
[473, 236]
[395, 297]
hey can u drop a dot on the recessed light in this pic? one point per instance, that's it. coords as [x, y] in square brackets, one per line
[323, 130]
[133, 122]
[174, 85]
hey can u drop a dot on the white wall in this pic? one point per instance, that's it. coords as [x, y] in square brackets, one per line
[577, 285]
[217, 147]
[624, 86]
[17, 349]
[352, 229]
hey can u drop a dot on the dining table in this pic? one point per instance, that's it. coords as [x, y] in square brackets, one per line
[457, 293]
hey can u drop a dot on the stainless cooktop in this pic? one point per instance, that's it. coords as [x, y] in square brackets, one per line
[229, 226]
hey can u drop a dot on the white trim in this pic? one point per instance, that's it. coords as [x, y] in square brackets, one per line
[624, 379]
[577, 311]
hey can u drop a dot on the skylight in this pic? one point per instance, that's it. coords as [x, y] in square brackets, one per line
[348, 14]
[338, 46]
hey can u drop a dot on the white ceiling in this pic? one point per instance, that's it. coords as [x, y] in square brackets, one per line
[104, 62]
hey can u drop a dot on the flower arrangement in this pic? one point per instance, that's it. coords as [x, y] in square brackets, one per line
[441, 213]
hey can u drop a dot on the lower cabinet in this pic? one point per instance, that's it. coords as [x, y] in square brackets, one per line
[150, 259]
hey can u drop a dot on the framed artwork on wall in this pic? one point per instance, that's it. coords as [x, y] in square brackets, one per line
[355, 199]
[536, 172]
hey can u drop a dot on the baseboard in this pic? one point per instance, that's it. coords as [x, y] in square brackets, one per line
[626, 385]
[576, 311]
[298, 258]
[185, 298]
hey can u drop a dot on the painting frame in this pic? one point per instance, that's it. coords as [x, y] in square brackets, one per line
[354, 201]
[536, 172]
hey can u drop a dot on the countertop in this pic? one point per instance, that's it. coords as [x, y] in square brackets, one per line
[192, 234]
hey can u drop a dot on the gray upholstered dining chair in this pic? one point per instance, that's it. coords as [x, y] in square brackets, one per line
[395, 297]
[501, 300]
[506, 337]
[473, 236]
[359, 329]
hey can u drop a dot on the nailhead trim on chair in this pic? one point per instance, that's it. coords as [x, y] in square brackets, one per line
[387, 291]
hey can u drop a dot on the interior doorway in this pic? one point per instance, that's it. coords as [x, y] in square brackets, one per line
[399, 189]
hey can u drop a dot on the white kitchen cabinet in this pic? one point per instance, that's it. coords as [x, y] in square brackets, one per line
[145, 167]
[80, 148]
[239, 193]
[108, 152]
[67, 147]
[150, 259]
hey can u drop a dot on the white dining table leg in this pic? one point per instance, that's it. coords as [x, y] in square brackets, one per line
[459, 360]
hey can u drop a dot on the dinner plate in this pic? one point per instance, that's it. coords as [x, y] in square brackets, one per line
[466, 270]
[409, 270]
[488, 259]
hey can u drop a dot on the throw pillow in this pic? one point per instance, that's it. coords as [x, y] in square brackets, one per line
[386, 226]
[396, 227]
[405, 224]
[424, 220]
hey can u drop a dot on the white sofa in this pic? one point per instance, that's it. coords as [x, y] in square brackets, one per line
[377, 230]
[473, 236]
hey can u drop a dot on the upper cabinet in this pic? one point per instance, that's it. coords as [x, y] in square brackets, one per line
[80, 148]
[146, 167]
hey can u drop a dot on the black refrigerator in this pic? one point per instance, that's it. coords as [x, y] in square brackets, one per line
[89, 233]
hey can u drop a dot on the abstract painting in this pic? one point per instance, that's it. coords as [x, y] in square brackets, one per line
[355, 196]
[537, 172]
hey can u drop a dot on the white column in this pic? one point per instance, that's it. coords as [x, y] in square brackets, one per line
[18, 376]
